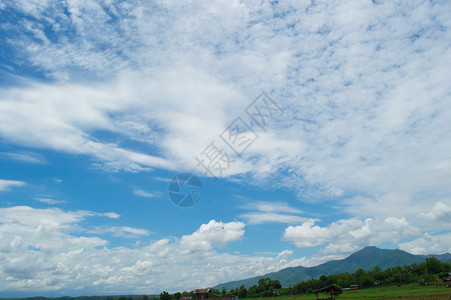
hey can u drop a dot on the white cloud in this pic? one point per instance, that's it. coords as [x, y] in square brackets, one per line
[7, 184]
[357, 96]
[346, 236]
[142, 193]
[308, 234]
[440, 213]
[285, 254]
[265, 206]
[261, 217]
[46, 250]
[58, 180]
[270, 212]
[429, 213]
[213, 234]
[111, 215]
[121, 231]
[31, 158]
[48, 200]
[428, 244]
[63, 127]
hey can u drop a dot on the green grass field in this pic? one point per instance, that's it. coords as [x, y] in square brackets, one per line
[408, 291]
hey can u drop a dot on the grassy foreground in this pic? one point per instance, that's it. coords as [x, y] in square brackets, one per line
[408, 291]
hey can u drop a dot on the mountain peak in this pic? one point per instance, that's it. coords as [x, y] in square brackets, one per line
[369, 248]
[366, 258]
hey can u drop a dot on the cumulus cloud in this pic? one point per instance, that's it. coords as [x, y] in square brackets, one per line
[348, 235]
[428, 244]
[430, 214]
[439, 213]
[213, 234]
[308, 234]
[48, 250]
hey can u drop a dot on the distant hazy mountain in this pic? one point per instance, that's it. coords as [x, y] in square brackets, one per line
[367, 258]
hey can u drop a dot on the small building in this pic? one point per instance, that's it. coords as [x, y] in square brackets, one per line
[447, 279]
[352, 287]
[331, 290]
[202, 293]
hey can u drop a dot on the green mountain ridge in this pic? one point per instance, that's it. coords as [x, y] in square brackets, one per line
[367, 258]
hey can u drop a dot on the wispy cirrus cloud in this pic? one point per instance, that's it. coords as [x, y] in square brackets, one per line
[49, 200]
[142, 193]
[272, 212]
[357, 96]
[253, 218]
[266, 206]
[111, 215]
[25, 157]
[7, 184]
[121, 231]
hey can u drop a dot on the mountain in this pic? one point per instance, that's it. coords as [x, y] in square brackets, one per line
[367, 258]
[443, 257]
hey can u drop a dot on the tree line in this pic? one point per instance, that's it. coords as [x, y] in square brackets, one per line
[430, 271]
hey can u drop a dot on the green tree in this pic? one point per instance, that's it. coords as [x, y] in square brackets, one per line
[165, 296]
[332, 279]
[269, 292]
[398, 276]
[345, 279]
[434, 266]
[359, 273]
[215, 291]
[252, 291]
[276, 284]
[242, 292]
[366, 281]
[263, 284]
[377, 274]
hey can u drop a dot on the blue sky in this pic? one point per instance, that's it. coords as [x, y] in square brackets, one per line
[102, 103]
